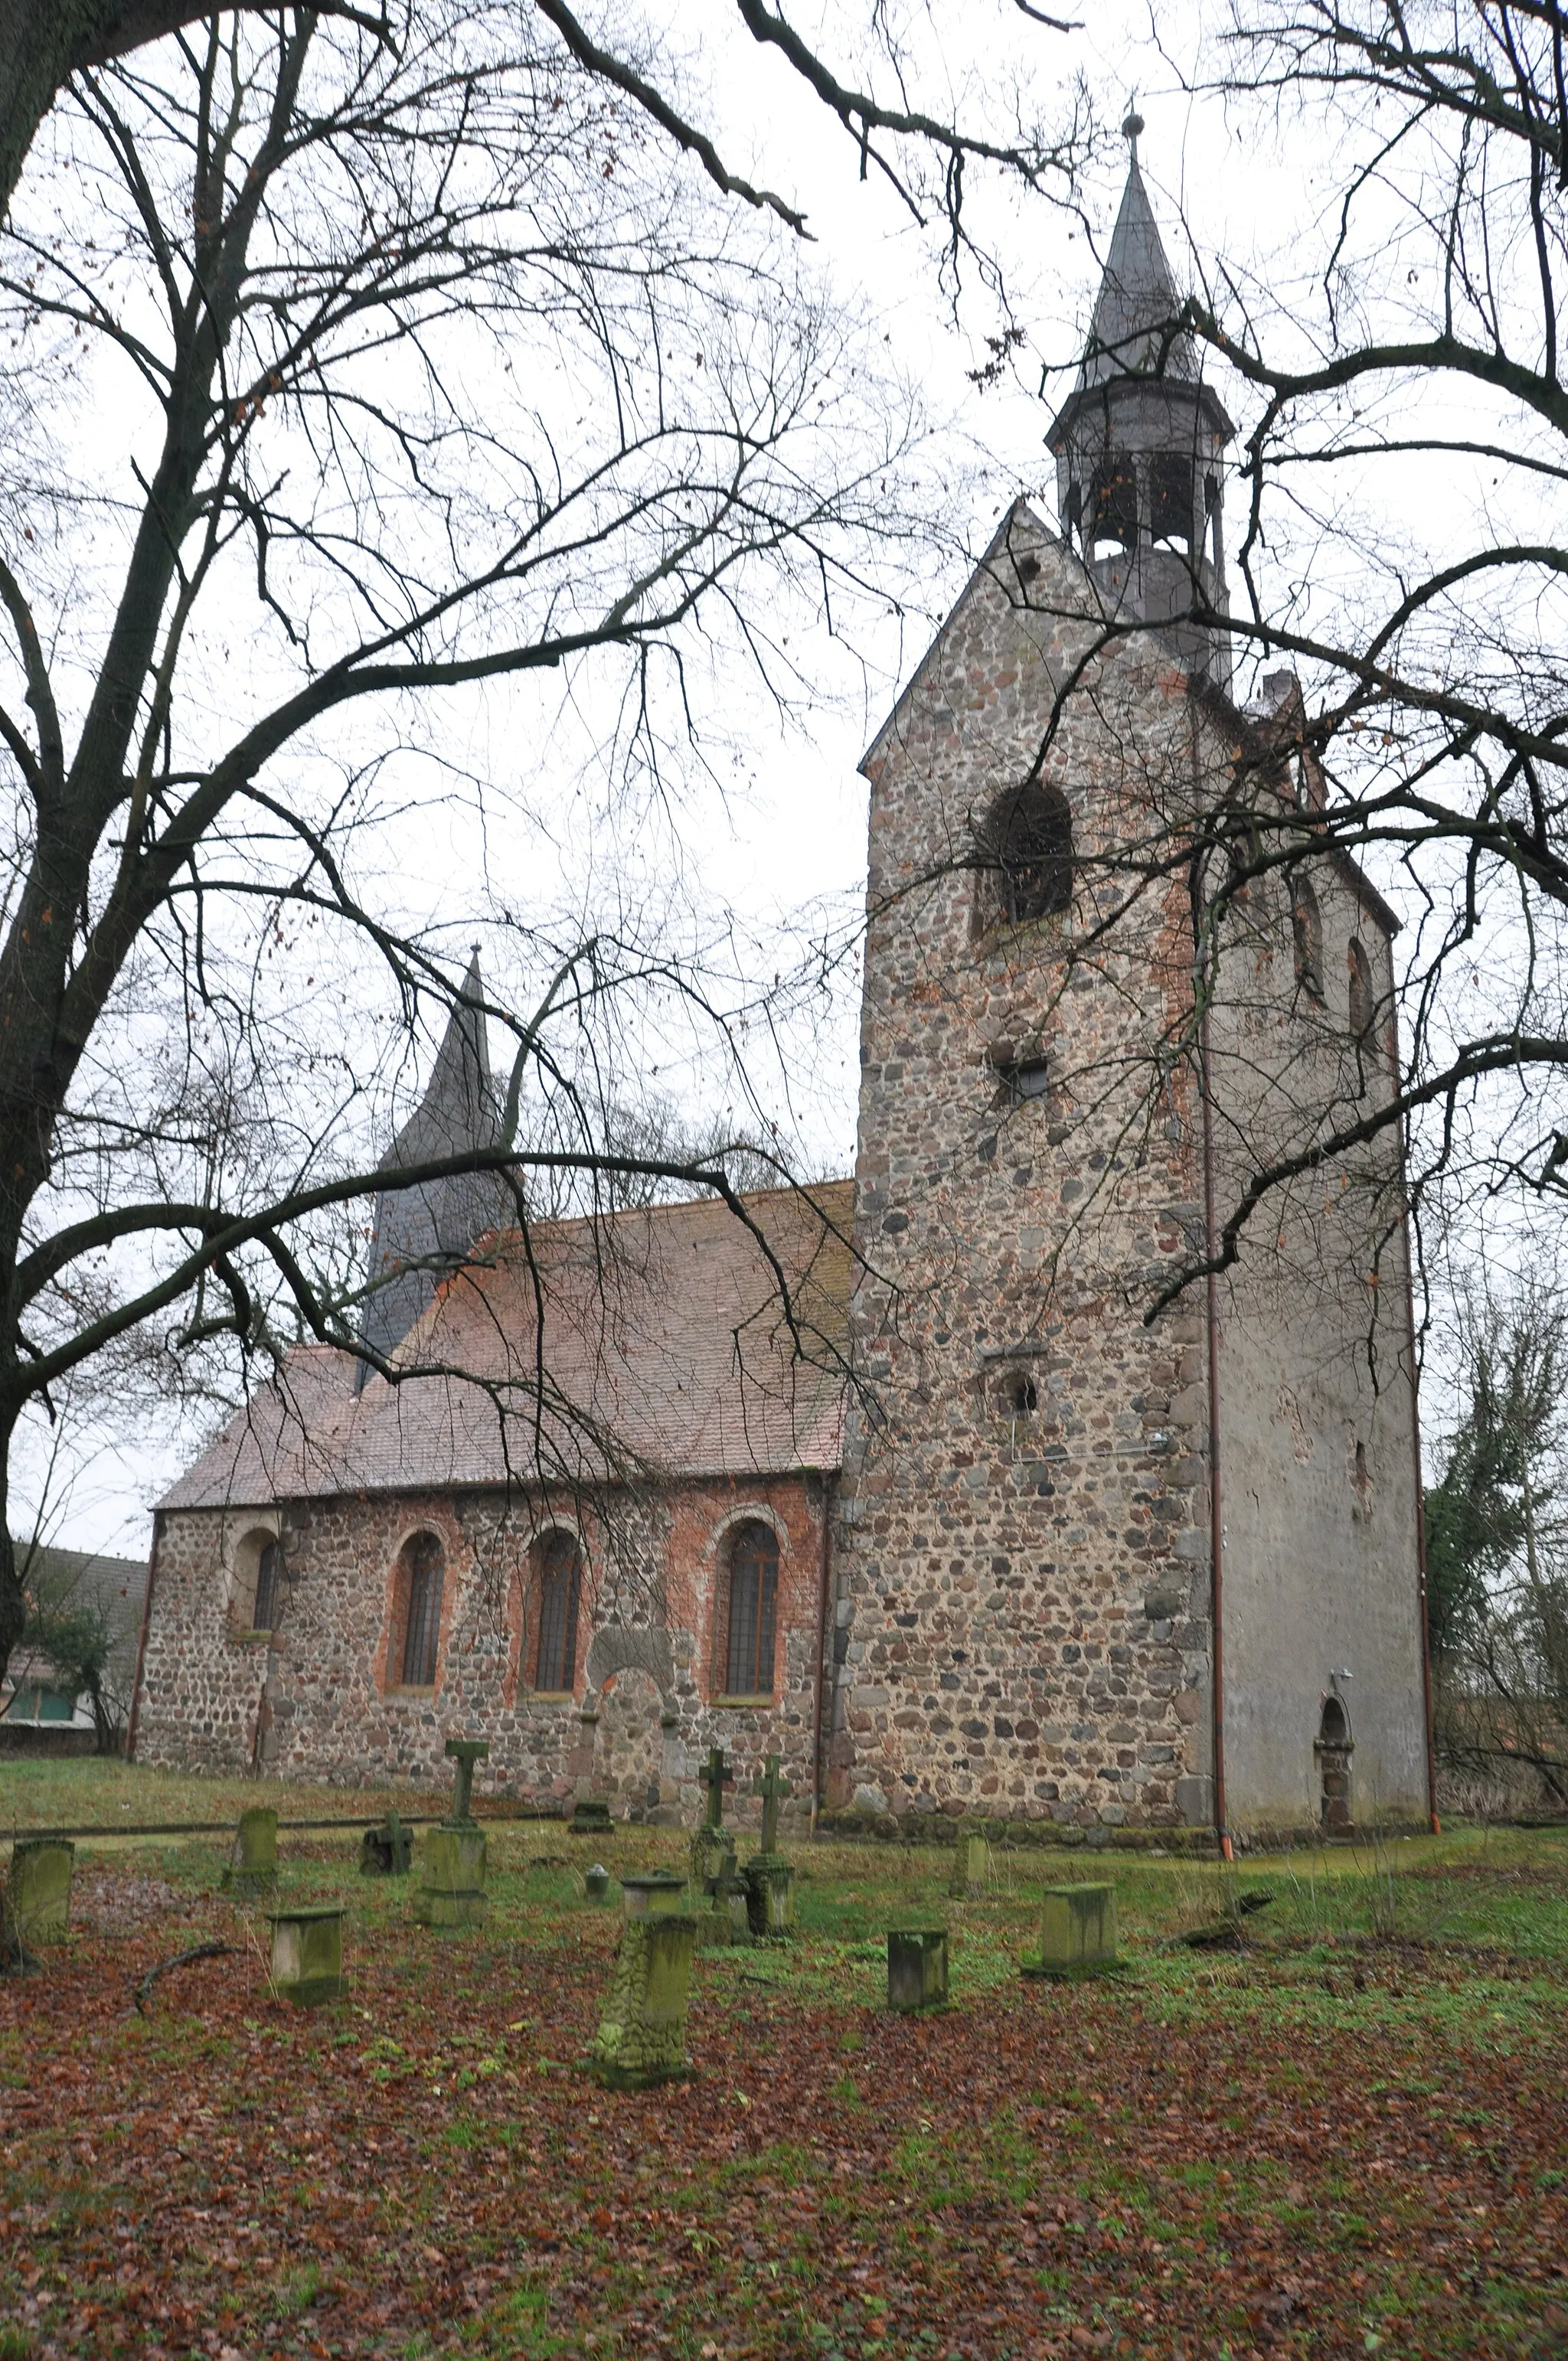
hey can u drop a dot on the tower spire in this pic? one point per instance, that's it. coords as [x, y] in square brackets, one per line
[1138, 444]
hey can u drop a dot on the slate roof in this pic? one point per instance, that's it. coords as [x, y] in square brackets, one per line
[665, 1353]
[1136, 295]
[423, 1232]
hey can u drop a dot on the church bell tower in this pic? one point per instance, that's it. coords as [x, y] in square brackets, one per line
[1139, 449]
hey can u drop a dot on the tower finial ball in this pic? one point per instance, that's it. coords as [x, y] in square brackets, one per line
[1132, 128]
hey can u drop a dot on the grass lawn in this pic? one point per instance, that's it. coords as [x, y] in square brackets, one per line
[1350, 2137]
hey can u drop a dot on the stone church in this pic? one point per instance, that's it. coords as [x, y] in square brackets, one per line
[918, 1481]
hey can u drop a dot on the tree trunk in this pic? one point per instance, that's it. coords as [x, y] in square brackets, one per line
[43, 42]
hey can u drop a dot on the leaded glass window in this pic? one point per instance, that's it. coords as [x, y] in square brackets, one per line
[422, 1633]
[560, 1585]
[753, 1598]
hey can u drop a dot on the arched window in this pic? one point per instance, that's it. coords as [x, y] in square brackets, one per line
[1112, 527]
[560, 1587]
[1360, 995]
[422, 1626]
[268, 1587]
[753, 1604]
[1307, 926]
[1172, 498]
[1026, 851]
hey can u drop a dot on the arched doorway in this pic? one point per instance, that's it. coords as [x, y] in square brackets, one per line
[1334, 1748]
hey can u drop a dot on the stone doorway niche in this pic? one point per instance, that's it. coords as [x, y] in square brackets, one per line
[630, 1741]
[1334, 1748]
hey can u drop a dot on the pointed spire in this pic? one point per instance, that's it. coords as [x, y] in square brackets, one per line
[1137, 294]
[460, 1078]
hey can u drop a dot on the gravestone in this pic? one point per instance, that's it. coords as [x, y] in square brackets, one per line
[307, 1955]
[712, 1848]
[37, 1902]
[734, 1898]
[1078, 1931]
[916, 1968]
[641, 2039]
[770, 1880]
[452, 1892]
[596, 1883]
[253, 1865]
[652, 1893]
[971, 1868]
[590, 1817]
[387, 1851]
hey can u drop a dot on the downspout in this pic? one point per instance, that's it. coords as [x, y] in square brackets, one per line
[827, 1481]
[141, 1642]
[1416, 1464]
[1216, 1526]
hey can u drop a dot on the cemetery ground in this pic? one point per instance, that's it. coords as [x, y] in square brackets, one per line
[1348, 2136]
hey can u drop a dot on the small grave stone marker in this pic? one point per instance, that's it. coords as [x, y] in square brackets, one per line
[307, 1955]
[387, 1851]
[641, 2039]
[972, 1867]
[652, 1893]
[37, 1902]
[253, 1865]
[916, 1968]
[734, 1897]
[596, 1883]
[452, 1892]
[1078, 1931]
[590, 1817]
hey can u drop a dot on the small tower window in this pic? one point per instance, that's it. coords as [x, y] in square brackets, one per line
[1307, 927]
[1360, 996]
[1023, 1395]
[421, 1627]
[1171, 502]
[1113, 507]
[560, 1592]
[268, 1588]
[754, 1610]
[1074, 518]
[1026, 851]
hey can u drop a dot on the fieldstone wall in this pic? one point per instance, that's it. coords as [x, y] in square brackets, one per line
[1022, 1600]
[320, 1699]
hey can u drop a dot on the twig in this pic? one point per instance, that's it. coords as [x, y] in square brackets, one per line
[181, 1960]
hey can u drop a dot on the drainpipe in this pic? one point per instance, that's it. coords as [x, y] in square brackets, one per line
[827, 1482]
[141, 1642]
[1416, 1464]
[1216, 1526]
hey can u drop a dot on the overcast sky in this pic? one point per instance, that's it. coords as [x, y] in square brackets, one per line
[787, 836]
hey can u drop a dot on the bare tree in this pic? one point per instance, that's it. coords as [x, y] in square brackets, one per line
[431, 359]
[1497, 1545]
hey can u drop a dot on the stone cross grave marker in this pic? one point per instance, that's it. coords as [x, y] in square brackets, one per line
[715, 1776]
[465, 1753]
[387, 1851]
[452, 1892]
[773, 1788]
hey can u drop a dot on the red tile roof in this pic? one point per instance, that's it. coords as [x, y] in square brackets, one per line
[640, 1346]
